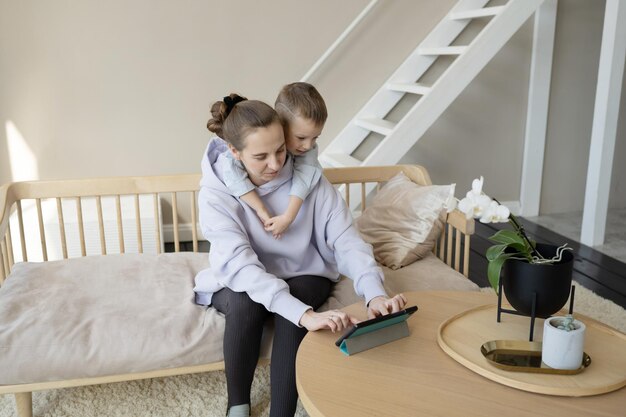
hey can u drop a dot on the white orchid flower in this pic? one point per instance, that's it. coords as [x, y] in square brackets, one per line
[474, 205]
[479, 205]
[482, 203]
[466, 206]
[477, 186]
[495, 213]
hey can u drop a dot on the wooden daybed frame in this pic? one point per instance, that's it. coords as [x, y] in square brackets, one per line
[453, 246]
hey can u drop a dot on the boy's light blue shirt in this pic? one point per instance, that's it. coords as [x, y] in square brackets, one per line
[307, 172]
[246, 258]
[235, 176]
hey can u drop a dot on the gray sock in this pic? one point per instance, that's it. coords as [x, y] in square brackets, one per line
[241, 410]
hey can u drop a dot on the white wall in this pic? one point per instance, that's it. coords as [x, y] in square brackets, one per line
[123, 88]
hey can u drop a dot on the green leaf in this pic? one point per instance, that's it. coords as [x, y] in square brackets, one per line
[494, 251]
[510, 238]
[507, 237]
[494, 268]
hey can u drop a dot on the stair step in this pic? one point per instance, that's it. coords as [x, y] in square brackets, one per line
[471, 14]
[443, 40]
[414, 88]
[338, 160]
[443, 50]
[381, 126]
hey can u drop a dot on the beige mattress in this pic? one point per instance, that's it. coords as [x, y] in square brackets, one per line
[115, 314]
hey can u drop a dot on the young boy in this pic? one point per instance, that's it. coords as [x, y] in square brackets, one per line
[303, 113]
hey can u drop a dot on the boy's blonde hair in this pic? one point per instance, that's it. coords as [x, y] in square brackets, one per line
[301, 99]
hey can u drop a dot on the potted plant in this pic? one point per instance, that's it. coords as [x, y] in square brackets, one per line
[563, 342]
[531, 271]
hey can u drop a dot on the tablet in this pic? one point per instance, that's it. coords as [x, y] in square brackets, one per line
[377, 323]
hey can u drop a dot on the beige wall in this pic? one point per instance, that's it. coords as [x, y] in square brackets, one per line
[359, 67]
[575, 74]
[463, 142]
[123, 88]
[482, 132]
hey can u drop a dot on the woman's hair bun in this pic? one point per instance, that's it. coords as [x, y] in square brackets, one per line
[220, 111]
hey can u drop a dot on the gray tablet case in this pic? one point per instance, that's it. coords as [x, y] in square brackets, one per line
[356, 344]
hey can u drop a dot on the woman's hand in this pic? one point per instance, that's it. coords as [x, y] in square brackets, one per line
[382, 305]
[334, 320]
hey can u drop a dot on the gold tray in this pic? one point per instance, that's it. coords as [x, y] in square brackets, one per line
[462, 335]
[523, 356]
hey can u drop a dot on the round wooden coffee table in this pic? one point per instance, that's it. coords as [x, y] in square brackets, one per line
[414, 377]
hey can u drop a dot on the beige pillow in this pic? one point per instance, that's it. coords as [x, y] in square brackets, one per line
[404, 220]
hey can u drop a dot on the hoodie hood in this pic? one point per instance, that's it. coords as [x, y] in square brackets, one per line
[214, 164]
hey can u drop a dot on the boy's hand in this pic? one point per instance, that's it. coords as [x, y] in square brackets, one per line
[278, 224]
[264, 215]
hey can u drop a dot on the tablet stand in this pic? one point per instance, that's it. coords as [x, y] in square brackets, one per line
[357, 344]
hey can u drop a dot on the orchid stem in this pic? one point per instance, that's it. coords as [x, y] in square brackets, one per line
[522, 232]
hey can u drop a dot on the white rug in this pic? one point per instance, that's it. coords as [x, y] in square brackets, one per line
[205, 394]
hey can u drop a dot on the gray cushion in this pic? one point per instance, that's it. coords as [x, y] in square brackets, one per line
[117, 314]
[427, 274]
[104, 315]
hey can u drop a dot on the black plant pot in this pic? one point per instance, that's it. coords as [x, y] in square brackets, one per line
[551, 283]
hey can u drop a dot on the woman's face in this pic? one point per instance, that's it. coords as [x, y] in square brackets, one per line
[264, 153]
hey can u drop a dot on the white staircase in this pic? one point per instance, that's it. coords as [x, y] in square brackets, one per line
[399, 137]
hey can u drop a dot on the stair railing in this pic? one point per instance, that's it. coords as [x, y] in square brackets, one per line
[338, 41]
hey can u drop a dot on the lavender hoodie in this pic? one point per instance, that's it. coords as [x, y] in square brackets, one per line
[245, 258]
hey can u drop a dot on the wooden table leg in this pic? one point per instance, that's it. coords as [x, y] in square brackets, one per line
[24, 401]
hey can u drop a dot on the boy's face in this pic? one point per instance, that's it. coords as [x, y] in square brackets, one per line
[301, 135]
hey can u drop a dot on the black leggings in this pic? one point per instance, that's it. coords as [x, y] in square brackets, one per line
[242, 342]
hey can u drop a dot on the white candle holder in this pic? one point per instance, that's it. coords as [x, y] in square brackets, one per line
[562, 349]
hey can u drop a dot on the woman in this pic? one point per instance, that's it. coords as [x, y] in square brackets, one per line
[253, 276]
